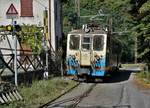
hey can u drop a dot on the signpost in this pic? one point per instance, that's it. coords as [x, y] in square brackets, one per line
[12, 14]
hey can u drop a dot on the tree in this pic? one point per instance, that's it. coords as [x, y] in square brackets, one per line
[141, 28]
[115, 9]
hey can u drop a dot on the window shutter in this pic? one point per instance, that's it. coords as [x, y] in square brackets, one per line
[26, 8]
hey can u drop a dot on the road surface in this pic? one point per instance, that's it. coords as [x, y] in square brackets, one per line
[118, 92]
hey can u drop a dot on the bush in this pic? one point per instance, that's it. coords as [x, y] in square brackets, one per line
[144, 75]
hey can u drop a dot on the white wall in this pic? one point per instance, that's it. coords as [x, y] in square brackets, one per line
[53, 36]
[38, 8]
[8, 43]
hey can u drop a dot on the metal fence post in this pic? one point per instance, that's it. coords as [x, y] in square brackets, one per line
[15, 52]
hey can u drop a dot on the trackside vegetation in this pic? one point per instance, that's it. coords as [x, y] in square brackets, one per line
[142, 80]
[41, 92]
[145, 76]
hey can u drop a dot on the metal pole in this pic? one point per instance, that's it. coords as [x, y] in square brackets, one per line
[15, 52]
[47, 56]
[78, 12]
[62, 73]
[35, 39]
[50, 26]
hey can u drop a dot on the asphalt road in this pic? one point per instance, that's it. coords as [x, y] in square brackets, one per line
[118, 92]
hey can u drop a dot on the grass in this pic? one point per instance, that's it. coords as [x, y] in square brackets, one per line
[133, 65]
[145, 76]
[41, 92]
[142, 80]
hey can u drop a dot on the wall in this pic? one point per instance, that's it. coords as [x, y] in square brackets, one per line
[38, 8]
[37, 12]
[7, 42]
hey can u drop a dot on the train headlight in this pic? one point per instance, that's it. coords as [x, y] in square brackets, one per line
[96, 57]
[77, 55]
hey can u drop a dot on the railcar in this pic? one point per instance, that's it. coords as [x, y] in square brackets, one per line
[89, 53]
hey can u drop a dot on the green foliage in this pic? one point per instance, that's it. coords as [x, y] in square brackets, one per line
[115, 9]
[144, 75]
[31, 35]
[145, 7]
[141, 29]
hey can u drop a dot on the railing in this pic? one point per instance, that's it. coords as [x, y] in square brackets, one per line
[29, 65]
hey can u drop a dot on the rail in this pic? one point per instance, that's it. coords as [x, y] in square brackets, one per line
[74, 100]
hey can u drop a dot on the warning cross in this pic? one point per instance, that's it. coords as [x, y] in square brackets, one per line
[11, 10]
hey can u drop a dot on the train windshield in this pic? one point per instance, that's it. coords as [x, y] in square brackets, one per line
[86, 43]
[74, 42]
[98, 42]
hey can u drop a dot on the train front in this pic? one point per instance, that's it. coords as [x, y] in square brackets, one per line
[86, 52]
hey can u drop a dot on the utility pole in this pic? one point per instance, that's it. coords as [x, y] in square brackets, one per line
[77, 10]
[110, 21]
[135, 50]
[46, 36]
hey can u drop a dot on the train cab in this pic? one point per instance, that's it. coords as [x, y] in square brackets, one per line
[86, 52]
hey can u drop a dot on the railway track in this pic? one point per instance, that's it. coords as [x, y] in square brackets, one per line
[78, 99]
[70, 102]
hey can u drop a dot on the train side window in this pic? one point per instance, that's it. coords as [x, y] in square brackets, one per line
[74, 42]
[98, 42]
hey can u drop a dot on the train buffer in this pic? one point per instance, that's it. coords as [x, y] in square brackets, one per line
[9, 93]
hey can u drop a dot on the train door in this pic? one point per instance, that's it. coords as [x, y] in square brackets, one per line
[99, 46]
[86, 45]
[99, 54]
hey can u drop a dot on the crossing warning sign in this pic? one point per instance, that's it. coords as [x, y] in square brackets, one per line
[11, 12]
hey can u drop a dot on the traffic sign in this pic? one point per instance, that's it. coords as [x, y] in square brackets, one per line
[12, 12]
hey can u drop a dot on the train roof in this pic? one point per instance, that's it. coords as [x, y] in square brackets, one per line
[81, 31]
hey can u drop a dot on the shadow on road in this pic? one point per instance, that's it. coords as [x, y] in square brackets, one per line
[122, 75]
[114, 77]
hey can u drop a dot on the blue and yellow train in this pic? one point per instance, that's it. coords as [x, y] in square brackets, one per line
[89, 53]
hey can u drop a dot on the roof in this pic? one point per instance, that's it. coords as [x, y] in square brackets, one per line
[80, 31]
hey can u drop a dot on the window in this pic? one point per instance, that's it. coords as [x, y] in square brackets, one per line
[98, 42]
[74, 42]
[86, 43]
[26, 8]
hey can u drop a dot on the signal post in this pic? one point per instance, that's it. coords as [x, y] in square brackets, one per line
[13, 14]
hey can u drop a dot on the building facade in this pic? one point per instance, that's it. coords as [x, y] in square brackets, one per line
[31, 12]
